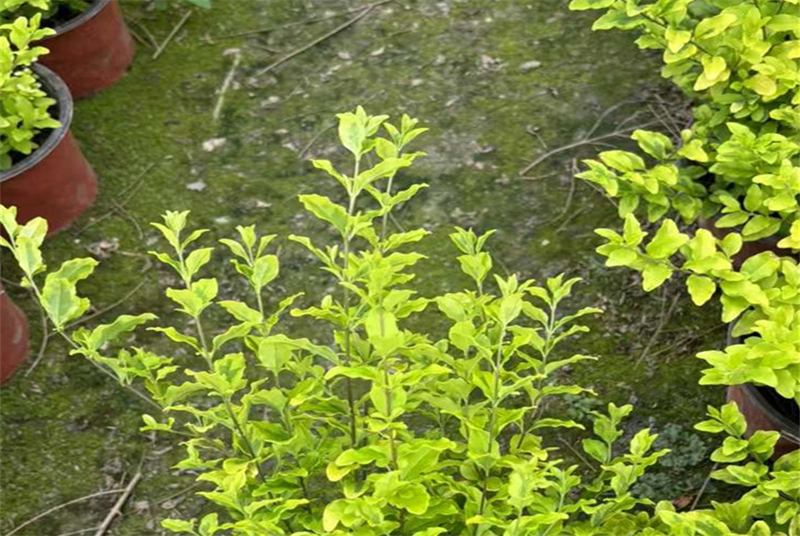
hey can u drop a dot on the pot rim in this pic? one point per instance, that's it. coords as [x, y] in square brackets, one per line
[81, 19]
[56, 88]
[764, 405]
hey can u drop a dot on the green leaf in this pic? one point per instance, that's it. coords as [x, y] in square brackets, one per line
[28, 256]
[654, 275]
[326, 210]
[241, 311]
[596, 449]
[74, 270]
[105, 333]
[667, 241]
[265, 270]
[701, 288]
[411, 497]
[61, 302]
[178, 525]
[382, 332]
[655, 144]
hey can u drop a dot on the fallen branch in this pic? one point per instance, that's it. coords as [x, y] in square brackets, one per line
[172, 34]
[115, 511]
[237, 57]
[586, 141]
[60, 506]
[367, 10]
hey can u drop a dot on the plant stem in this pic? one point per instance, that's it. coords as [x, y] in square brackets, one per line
[243, 437]
[493, 415]
[38, 295]
[386, 216]
[548, 347]
[346, 305]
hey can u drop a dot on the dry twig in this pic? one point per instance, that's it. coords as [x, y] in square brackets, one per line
[237, 57]
[115, 511]
[172, 35]
[60, 506]
[366, 11]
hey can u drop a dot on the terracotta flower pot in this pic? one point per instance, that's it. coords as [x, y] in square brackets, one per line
[92, 51]
[765, 409]
[55, 181]
[749, 249]
[13, 336]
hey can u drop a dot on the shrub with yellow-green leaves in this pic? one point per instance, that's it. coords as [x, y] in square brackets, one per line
[738, 166]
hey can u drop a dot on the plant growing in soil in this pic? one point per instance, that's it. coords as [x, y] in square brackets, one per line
[737, 166]
[24, 105]
[380, 428]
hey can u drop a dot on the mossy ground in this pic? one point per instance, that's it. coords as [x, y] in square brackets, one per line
[68, 431]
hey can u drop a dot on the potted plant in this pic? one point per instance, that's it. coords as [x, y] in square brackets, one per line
[42, 170]
[90, 48]
[13, 336]
[380, 429]
[735, 172]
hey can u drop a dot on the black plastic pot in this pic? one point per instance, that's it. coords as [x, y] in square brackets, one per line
[765, 409]
[55, 181]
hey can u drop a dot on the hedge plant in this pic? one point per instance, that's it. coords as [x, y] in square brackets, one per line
[736, 171]
[383, 427]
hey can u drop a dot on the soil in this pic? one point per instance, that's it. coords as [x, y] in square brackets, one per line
[67, 431]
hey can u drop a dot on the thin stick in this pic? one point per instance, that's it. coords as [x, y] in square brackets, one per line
[569, 219]
[585, 141]
[146, 43]
[147, 33]
[64, 505]
[687, 340]
[577, 454]
[663, 319]
[570, 195]
[237, 57]
[289, 24]
[703, 487]
[42, 346]
[313, 140]
[322, 38]
[172, 34]
[115, 511]
[127, 215]
[128, 192]
[109, 308]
